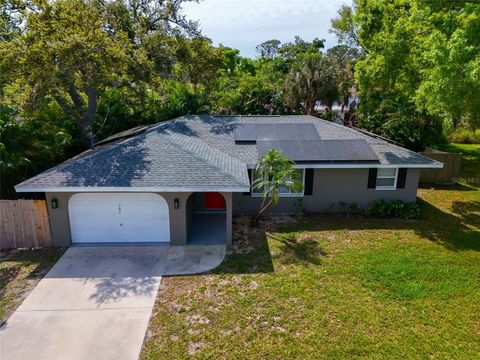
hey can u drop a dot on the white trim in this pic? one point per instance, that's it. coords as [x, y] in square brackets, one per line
[436, 165]
[129, 189]
[285, 195]
[393, 187]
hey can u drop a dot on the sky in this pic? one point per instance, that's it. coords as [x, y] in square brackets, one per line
[243, 24]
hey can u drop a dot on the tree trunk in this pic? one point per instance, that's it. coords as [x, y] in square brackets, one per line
[76, 97]
[263, 208]
[79, 112]
[90, 116]
[310, 107]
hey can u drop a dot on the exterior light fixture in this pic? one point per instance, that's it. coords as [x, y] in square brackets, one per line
[176, 203]
[54, 203]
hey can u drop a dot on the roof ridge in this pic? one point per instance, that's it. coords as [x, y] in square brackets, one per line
[209, 154]
[343, 127]
[94, 151]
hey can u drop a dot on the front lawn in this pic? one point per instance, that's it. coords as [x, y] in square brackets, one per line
[19, 273]
[335, 288]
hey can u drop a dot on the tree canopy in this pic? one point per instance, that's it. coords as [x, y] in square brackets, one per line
[421, 65]
[75, 71]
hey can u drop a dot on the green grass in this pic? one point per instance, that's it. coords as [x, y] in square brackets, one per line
[20, 273]
[336, 288]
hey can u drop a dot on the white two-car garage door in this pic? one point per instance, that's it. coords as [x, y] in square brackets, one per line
[118, 218]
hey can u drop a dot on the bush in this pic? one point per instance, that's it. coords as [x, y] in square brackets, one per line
[465, 136]
[396, 208]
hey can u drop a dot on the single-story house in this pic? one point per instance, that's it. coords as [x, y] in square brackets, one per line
[180, 181]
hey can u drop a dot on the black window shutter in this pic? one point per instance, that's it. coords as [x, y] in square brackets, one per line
[308, 182]
[250, 179]
[402, 178]
[372, 178]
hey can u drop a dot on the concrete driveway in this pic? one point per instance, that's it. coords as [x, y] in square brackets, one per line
[95, 303]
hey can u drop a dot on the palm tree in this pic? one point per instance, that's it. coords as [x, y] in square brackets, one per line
[312, 78]
[273, 173]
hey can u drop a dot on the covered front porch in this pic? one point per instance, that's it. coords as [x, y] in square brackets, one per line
[209, 218]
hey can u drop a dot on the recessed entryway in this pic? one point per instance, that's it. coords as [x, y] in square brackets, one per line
[118, 218]
[206, 219]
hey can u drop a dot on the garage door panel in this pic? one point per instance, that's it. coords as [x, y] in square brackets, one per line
[119, 217]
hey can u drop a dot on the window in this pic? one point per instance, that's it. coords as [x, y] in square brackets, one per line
[386, 179]
[282, 192]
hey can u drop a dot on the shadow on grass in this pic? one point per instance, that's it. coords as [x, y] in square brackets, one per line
[447, 187]
[469, 211]
[456, 231]
[7, 275]
[41, 259]
[448, 230]
[18, 270]
[248, 258]
[294, 250]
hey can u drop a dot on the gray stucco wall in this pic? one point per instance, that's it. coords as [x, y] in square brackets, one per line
[329, 186]
[332, 186]
[60, 223]
[179, 218]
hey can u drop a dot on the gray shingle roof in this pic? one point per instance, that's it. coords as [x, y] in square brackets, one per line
[192, 153]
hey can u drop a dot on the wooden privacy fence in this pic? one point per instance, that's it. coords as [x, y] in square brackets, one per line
[24, 224]
[451, 167]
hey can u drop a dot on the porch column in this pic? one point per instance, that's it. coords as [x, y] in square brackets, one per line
[228, 218]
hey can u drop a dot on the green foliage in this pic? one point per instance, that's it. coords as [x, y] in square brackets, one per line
[313, 77]
[344, 208]
[300, 206]
[450, 72]
[396, 117]
[273, 173]
[465, 136]
[354, 208]
[269, 48]
[344, 58]
[420, 66]
[89, 69]
[74, 51]
[30, 146]
[395, 208]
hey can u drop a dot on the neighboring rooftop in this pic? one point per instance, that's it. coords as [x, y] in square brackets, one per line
[199, 153]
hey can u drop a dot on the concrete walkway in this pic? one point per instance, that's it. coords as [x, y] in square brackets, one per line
[95, 303]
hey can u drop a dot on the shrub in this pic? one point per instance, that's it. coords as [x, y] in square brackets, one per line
[465, 136]
[396, 208]
[300, 206]
[330, 209]
[353, 208]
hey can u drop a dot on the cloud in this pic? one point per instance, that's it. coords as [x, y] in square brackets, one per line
[246, 23]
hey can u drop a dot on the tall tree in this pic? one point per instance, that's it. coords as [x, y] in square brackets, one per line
[73, 50]
[346, 28]
[421, 63]
[344, 57]
[311, 79]
[269, 49]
